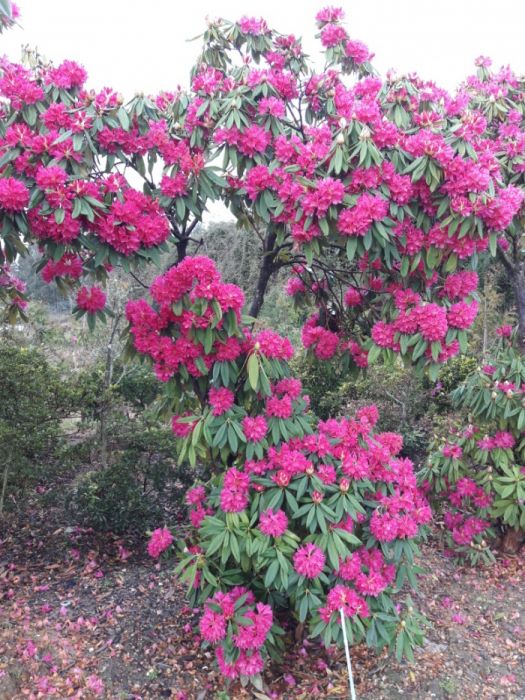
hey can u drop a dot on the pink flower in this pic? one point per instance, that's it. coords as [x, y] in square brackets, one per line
[504, 331]
[357, 220]
[175, 186]
[195, 495]
[212, 626]
[353, 297]
[253, 26]
[333, 34]
[462, 315]
[503, 440]
[273, 524]
[234, 494]
[254, 428]
[432, 321]
[233, 501]
[160, 540]
[91, 299]
[309, 560]
[67, 75]
[221, 400]
[357, 51]
[342, 597]
[272, 345]
[329, 14]
[69, 265]
[280, 408]
[182, 429]
[14, 195]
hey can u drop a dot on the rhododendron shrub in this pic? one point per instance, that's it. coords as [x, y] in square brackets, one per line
[95, 182]
[378, 195]
[496, 103]
[296, 516]
[479, 471]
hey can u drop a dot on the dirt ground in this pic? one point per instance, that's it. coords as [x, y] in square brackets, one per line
[86, 616]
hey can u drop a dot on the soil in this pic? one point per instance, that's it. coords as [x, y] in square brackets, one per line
[85, 616]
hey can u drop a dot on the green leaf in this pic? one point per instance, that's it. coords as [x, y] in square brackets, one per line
[303, 609]
[374, 353]
[493, 244]
[271, 573]
[253, 371]
[123, 118]
[351, 248]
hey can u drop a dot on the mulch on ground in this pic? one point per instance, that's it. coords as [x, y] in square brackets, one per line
[86, 616]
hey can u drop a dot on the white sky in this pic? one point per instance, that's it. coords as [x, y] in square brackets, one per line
[140, 45]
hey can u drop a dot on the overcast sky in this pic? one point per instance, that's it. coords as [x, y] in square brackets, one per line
[141, 45]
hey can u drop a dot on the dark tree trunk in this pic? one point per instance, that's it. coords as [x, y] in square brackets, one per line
[106, 400]
[512, 541]
[268, 267]
[519, 291]
[182, 248]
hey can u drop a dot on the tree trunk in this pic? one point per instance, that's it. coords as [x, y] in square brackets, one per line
[268, 267]
[182, 248]
[512, 541]
[104, 411]
[519, 291]
[4, 485]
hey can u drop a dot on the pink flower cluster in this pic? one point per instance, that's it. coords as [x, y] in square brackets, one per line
[250, 623]
[14, 195]
[193, 284]
[502, 440]
[221, 400]
[464, 528]
[69, 265]
[343, 598]
[368, 570]
[273, 523]
[235, 491]
[309, 560]
[160, 540]
[91, 299]
[357, 220]
[133, 221]
[255, 429]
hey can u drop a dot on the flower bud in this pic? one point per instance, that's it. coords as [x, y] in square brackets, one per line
[344, 485]
[340, 139]
[281, 478]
